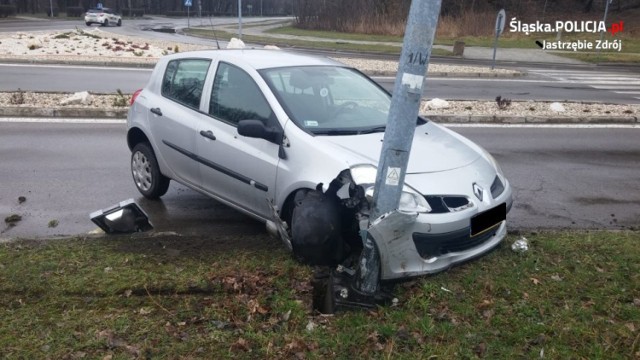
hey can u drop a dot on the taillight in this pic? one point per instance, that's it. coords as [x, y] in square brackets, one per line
[134, 96]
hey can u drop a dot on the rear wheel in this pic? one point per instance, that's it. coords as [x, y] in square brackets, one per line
[146, 173]
[88, 23]
[105, 23]
[119, 22]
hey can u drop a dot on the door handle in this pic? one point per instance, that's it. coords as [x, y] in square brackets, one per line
[208, 134]
[156, 111]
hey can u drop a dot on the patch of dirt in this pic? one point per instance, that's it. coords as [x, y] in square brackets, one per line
[174, 245]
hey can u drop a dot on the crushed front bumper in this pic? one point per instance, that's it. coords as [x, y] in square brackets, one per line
[419, 244]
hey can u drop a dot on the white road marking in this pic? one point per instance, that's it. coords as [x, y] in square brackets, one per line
[492, 79]
[612, 79]
[546, 126]
[61, 120]
[615, 87]
[600, 82]
[467, 125]
[106, 68]
[628, 92]
[615, 82]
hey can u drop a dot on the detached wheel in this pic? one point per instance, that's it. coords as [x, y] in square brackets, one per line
[105, 23]
[146, 173]
[119, 22]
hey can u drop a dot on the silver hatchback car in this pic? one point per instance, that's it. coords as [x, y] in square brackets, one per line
[294, 140]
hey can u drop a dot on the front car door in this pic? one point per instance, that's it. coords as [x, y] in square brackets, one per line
[237, 169]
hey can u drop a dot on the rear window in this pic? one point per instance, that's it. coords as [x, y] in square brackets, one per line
[184, 80]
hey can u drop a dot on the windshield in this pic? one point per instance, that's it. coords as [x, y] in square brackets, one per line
[330, 100]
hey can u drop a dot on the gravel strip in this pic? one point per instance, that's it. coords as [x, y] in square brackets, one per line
[82, 45]
[30, 99]
[532, 108]
[100, 46]
[483, 108]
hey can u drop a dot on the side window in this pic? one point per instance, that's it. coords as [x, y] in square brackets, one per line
[236, 97]
[184, 80]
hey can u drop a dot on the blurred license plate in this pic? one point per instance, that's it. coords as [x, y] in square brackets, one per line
[488, 219]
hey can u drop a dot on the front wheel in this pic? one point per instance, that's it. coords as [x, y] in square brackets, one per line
[105, 23]
[119, 22]
[88, 23]
[146, 172]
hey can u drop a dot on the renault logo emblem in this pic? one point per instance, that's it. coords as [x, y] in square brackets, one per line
[477, 189]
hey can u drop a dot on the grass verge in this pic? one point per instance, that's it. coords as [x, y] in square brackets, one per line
[321, 45]
[630, 51]
[572, 295]
[291, 30]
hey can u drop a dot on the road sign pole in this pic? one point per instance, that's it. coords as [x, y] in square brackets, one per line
[495, 49]
[240, 19]
[604, 20]
[187, 4]
[500, 21]
[401, 123]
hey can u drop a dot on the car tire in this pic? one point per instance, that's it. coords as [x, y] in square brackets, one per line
[316, 229]
[105, 23]
[88, 24]
[119, 22]
[146, 172]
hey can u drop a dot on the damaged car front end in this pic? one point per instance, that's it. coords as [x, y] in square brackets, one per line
[428, 233]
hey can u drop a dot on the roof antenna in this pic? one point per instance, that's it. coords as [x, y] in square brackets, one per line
[214, 32]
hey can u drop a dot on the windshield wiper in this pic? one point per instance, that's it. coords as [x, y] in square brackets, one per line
[373, 130]
[337, 132]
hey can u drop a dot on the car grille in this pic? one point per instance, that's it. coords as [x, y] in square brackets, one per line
[443, 204]
[430, 245]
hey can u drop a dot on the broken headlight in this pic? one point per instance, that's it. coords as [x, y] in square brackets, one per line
[410, 199]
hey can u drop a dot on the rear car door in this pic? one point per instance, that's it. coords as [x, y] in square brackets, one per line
[173, 115]
[238, 169]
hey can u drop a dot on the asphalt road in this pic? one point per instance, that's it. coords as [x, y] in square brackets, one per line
[562, 178]
[107, 80]
[133, 27]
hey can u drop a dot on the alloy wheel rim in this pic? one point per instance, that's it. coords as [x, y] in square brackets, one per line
[141, 169]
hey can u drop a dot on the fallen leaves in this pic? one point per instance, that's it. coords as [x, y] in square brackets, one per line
[12, 220]
[114, 342]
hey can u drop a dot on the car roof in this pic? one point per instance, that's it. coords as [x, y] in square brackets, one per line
[260, 58]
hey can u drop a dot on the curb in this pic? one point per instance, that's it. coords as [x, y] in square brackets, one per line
[506, 119]
[63, 113]
[150, 65]
[84, 113]
[452, 74]
[79, 62]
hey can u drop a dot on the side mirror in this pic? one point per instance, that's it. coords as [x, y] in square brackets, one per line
[257, 129]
